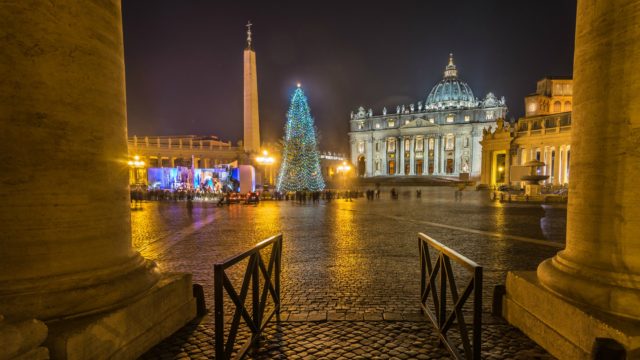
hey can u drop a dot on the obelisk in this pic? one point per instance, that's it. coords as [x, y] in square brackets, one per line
[251, 118]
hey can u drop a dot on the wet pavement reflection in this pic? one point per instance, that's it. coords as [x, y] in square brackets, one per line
[352, 260]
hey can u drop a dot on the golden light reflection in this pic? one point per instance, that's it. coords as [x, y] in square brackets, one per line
[349, 257]
[266, 220]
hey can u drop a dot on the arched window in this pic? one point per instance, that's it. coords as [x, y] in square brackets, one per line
[567, 106]
[557, 106]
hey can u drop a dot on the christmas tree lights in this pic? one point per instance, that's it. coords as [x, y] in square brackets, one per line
[300, 167]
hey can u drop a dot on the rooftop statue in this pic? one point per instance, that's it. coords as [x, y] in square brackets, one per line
[361, 114]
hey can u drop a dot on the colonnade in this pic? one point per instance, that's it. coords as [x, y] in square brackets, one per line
[382, 158]
[556, 158]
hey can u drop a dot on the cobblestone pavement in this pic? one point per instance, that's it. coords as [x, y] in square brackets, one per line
[355, 261]
[348, 340]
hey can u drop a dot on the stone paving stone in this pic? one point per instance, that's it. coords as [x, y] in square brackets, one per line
[351, 340]
[392, 316]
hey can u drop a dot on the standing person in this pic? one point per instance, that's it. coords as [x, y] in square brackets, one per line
[190, 204]
[461, 187]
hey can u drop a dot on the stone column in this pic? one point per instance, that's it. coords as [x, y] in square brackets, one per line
[412, 161]
[600, 266]
[401, 160]
[398, 155]
[507, 167]
[369, 157]
[564, 164]
[436, 155]
[383, 157]
[556, 166]
[66, 245]
[425, 155]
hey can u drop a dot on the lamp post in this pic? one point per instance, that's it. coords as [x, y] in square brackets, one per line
[344, 169]
[136, 164]
[266, 160]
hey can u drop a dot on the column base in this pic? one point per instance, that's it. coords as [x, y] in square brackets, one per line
[22, 340]
[129, 331]
[565, 329]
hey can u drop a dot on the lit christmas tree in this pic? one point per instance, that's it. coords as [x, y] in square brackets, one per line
[300, 167]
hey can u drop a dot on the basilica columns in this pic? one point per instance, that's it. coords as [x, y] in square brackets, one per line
[66, 245]
[589, 289]
[412, 160]
[436, 155]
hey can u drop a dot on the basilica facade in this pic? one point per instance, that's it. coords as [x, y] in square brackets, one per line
[438, 137]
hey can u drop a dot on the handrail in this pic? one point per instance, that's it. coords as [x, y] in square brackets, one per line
[256, 271]
[433, 283]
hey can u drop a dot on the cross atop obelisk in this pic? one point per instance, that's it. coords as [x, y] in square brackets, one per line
[249, 34]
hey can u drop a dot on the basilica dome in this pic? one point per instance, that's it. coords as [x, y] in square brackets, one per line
[451, 92]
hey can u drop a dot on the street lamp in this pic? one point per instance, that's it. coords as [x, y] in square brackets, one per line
[266, 160]
[136, 164]
[344, 169]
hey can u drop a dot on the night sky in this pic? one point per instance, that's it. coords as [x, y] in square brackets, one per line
[184, 58]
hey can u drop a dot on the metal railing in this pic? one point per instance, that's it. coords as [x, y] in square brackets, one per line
[257, 320]
[434, 281]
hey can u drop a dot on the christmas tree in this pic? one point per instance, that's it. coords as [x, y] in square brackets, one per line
[300, 167]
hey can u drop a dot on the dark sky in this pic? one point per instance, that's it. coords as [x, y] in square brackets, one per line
[184, 58]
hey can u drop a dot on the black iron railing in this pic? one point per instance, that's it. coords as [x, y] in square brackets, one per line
[256, 271]
[435, 280]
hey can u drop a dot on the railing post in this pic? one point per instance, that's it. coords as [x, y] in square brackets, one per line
[443, 294]
[477, 313]
[423, 270]
[255, 295]
[218, 303]
[278, 249]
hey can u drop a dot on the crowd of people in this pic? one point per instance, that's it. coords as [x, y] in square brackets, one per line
[139, 194]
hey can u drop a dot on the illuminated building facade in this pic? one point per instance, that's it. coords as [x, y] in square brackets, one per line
[191, 151]
[440, 137]
[544, 134]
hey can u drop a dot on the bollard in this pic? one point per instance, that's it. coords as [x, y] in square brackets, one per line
[499, 291]
[198, 293]
[608, 349]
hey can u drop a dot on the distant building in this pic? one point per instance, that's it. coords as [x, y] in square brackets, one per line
[180, 151]
[201, 152]
[543, 134]
[329, 163]
[440, 137]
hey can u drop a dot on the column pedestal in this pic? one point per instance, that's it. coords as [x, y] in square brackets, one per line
[128, 331]
[565, 329]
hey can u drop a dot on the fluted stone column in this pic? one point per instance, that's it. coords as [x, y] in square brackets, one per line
[412, 155]
[601, 263]
[436, 155]
[401, 156]
[398, 155]
[66, 245]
